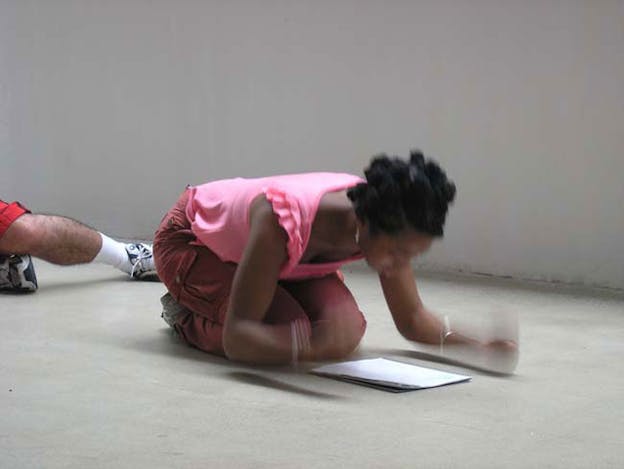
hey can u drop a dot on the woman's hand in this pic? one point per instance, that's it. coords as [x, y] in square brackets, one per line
[501, 356]
[498, 356]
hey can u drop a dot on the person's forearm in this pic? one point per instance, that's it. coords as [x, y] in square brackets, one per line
[428, 328]
[254, 342]
[498, 354]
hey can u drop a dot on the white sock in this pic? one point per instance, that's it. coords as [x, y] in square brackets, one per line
[113, 253]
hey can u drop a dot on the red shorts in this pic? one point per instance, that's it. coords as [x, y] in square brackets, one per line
[9, 213]
[201, 282]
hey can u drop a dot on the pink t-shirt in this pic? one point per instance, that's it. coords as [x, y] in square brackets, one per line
[219, 215]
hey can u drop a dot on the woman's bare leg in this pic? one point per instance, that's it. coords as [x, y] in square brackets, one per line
[337, 323]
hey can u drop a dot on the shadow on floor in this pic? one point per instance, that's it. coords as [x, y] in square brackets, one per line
[269, 382]
[430, 357]
[172, 346]
[72, 285]
[53, 286]
[167, 343]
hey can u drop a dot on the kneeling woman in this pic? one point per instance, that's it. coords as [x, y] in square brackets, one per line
[251, 265]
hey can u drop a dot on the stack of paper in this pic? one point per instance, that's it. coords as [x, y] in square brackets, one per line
[388, 375]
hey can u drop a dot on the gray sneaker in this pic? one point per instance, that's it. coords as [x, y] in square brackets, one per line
[171, 309]
[17, 273]
[142, 261]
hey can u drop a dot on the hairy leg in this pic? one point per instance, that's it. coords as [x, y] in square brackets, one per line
[55, 239]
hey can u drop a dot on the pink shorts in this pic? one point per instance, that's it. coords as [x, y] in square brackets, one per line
[198, 280]
[9, 213]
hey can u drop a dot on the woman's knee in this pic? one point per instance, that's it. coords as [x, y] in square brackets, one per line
[346, 331]
[356, 327]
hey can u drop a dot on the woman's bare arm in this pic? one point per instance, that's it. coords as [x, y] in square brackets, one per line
[245, 337]
[416, 323]
[410, 316]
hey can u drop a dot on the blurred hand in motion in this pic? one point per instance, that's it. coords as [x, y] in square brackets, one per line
[493, 348]
[501, 356]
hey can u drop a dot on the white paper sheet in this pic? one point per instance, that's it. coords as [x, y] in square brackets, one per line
[389, 375]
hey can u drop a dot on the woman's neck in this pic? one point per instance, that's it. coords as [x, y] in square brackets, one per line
[333, 231]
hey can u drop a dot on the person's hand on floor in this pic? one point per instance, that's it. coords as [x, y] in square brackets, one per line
[501, 356]
[497, 348]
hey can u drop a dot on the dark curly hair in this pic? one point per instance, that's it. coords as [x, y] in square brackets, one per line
[398, 194]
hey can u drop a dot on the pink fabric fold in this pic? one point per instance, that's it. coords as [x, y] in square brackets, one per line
[289, 218]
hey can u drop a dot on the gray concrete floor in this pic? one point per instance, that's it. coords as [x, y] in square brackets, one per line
[91, 377]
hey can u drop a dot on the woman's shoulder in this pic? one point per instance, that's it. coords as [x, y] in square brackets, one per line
[318, 179]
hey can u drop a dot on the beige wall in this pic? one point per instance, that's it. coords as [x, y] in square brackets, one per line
[108, 108]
